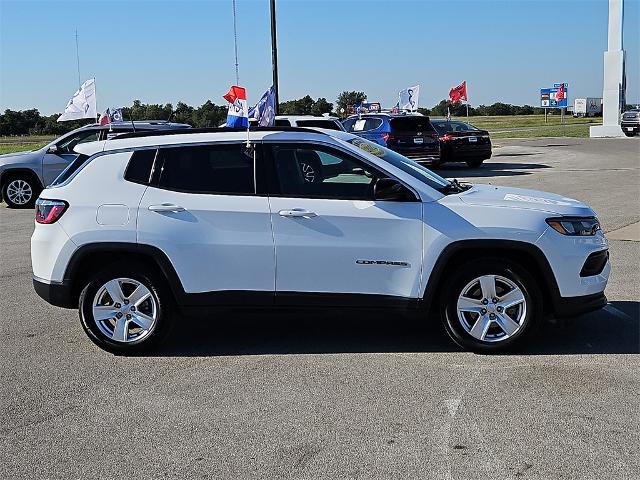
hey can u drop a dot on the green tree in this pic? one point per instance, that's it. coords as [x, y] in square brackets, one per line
[347, 99]
[321, 106]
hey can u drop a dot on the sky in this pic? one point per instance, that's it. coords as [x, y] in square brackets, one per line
[182, 50]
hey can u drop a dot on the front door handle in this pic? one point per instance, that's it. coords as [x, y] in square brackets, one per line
[297, 212]
[166, 207]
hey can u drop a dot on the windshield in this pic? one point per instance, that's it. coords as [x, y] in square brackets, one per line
[403, 163]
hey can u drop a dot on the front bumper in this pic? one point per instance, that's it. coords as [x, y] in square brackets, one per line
[55, 293]
[574, 306]
[630, 124]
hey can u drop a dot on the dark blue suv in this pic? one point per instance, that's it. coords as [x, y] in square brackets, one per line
[411, 135]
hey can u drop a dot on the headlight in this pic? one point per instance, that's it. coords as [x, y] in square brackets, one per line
[575, 226]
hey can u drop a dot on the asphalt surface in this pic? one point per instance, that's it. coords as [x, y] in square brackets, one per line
[342, 395]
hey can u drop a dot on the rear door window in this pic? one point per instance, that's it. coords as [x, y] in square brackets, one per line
[411, 125]
[219, 169]
[282, 123]
[365, 124]
[140, 166]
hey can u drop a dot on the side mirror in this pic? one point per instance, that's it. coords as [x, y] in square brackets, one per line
[390, 189]
[53, 149]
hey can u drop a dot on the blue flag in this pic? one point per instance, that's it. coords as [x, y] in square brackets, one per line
[265, 110]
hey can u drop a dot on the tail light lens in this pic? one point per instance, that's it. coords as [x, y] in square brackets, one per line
[446, 138]
[49, 211]
[385, 137]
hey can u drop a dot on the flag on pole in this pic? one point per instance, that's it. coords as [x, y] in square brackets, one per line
[238, 114]
[111, 115]
[82, 104]
[409, 98]
[459, 93]
[265, 110]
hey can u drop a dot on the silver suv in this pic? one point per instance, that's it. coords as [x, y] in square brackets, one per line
[23, 175]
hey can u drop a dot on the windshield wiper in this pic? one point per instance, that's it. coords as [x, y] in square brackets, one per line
[455, 187]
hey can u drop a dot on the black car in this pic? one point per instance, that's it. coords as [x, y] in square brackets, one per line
[411, 135]
[462, 142]
[630, 122]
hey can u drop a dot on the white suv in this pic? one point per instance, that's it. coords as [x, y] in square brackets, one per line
[141, 225]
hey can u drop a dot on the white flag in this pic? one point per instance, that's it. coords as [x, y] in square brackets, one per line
[409, 98]
[82, 104]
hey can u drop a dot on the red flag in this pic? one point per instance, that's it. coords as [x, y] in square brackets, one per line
[560, 93]
[458, 93]
[105, 118]
[235, 93]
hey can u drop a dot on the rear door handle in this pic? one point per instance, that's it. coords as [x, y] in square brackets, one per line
[166, 207]
[297, 212]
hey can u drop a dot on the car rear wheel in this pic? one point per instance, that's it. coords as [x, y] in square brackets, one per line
[125, 311]
[20, 191]
[475, 163]
[490, 305]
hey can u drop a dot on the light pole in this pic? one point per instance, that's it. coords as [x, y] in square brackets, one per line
[274, 53]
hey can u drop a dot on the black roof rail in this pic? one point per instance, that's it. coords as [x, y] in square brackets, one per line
[189, 131]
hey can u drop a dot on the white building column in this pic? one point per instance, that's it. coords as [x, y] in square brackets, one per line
[612, 93]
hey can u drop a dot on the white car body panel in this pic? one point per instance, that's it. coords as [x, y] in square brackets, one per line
[320, 253]
[217, 243]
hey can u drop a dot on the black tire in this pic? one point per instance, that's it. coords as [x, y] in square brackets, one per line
[465, 274]
[475, 163]
[164, 306]
[21, 179]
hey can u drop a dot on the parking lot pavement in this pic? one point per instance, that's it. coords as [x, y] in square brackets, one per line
[337, 395]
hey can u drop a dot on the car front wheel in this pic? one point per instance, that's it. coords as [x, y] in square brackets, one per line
[20, 191]
[125, 311]
[490, 305]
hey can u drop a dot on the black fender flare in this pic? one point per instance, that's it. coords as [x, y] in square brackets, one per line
[492, 247]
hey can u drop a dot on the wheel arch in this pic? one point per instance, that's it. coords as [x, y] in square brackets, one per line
[88, 257]
[525, 254]
[12, 172]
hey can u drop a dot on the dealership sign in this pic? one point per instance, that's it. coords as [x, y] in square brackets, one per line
[555, 97]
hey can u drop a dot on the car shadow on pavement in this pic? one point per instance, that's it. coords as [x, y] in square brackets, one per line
[489, 169]
[613, 330]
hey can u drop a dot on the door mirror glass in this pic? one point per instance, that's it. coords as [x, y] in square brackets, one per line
[53, 149]
[390, 189]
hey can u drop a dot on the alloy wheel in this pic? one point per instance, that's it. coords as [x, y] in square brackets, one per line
[124, 310]
[19, 192]
[491, 308]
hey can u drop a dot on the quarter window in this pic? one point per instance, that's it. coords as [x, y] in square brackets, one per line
[319, 172]
[221, 169]
[140, 166]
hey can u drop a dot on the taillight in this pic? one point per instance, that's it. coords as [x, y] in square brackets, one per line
[385, 137]
[446, 138]
[49, 211]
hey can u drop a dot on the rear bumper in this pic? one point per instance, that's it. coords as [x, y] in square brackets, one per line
[630, 124]
[55, 293]
[574, 306]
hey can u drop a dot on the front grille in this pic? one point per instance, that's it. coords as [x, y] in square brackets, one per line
[595, 263]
